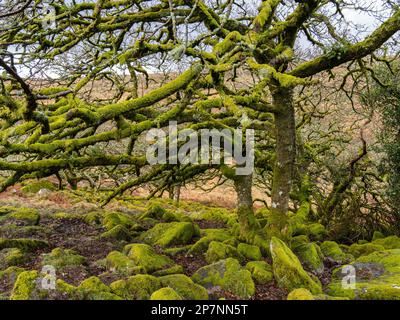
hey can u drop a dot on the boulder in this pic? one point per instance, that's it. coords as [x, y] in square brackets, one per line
[184, 286]
[288, 271]
[332, 250]
[261, 271]
[358, 250]
[165, 294]
[119, 263]
[60, 258]
[249, 251]
[219, 251]
[311, 256]
[392, 242]
[168, 234]
[209, 235]
[138, 287]
[11, 257]
[377, 277]
[228, 275]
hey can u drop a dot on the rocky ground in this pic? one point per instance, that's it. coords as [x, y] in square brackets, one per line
[58, 245]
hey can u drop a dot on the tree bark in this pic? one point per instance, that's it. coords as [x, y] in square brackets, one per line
[284, 166]
[245, 212]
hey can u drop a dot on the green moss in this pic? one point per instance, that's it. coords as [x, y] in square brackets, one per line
[332, 250]
[24, 216]
[358, 250]
[119, 263]
[209, 235]
[261, 271]
[165, 294]
[25, 286]
[185, 287]
[66, 216]
[93, 218]
[11, 257]
[392, 242]
[60, 258]
[227, 274]
[288, 271]
[311, 256]
[377, 235]
[316, 231]
[23, 244]
[154, 211]
[249, 251]
[177, 250]
[219, 251]
[113, 219]
[300, 294]
[118, 233]
[168, 234]
[138, 287]
[36, 186]
[143, 255]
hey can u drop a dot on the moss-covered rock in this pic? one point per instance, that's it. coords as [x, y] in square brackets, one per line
[93, 218]
[300, 294]
[316, 231]
[165, 294]
[249, 251]
[332, 250]
[22, 217]
[377, 235]
[227, 274]
[288, 271]
[11, 257]
[119, 263]
[261, 271]
[138, 287]
[113, 219]
[60, 258]
[168, 234]
[377, 277]
[304, 294]
[219, 251]
[94, 289]
[118, 233]
[311, 256]
[26, 286]
[154, 211]
[392, 242]
[358, 250]
[36, 186]
[209, 235]
[144, 255]
[184, 286]
[24, 244]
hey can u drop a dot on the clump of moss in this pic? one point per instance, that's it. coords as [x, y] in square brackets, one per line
[165, 294]
[229, 275]
[118, 233]
[36, 186]
[209, 235]
[66, 216]
[113, 219]
[219, 251]
[377, 235]
[358, 250]
[60, 258]
[144, 255]
[184, 286]
[25, 287]
[138, 287]
[332, 250]
[288, 271]
[378, 277]
[11, 257]
[311, 256]
[94, 289]
[168, 234]
[23, 216]
[300, 294]
[154, 211]
[249, 251]
[261, 271]
[23, 244]
[392, 242]
[93, 218]
[120, 263]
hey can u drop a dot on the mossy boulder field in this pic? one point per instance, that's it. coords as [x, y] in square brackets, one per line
[185, 252]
